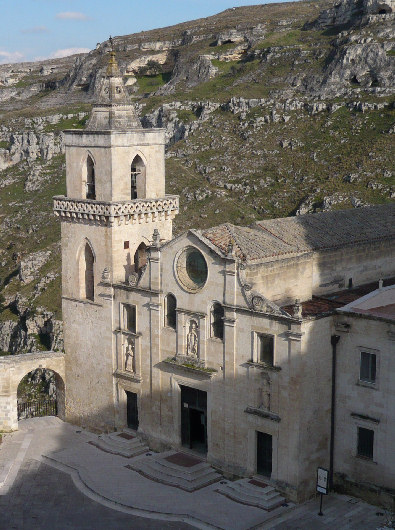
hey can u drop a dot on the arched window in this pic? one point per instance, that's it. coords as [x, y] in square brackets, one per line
[90, 179]
[217, 321]
[170, 311]
[87, 262]
[140, 257]
[137, 178]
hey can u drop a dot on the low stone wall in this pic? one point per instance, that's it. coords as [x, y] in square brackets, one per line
[368, 492]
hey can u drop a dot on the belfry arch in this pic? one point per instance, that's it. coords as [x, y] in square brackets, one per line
[86, 265]
[137, 178]
[90, 178]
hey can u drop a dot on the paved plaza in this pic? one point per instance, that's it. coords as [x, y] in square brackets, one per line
[52, 477]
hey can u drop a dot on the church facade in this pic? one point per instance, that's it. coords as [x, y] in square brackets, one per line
[219, 341]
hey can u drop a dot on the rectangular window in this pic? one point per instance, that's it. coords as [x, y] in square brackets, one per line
[129, 317]
[365, 443]
[265, 349]
[367, 371]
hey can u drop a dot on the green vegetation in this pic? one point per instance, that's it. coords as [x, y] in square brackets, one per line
[151, 83]
[186, 116]
[4, 144]
[68, 123]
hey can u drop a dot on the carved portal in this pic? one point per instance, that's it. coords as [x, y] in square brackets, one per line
[192, 339]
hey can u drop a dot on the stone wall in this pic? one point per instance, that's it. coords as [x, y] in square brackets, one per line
[367, 405]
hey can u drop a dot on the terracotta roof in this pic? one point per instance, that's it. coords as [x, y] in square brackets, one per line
[248, 243]
[305, 233]
[321, 305]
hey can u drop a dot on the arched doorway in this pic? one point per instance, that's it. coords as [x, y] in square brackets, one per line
[41, 392]
[137, 178]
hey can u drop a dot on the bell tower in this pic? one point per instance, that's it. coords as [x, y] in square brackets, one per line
[115, 181]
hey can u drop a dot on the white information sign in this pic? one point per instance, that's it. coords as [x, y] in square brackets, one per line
[322, 480]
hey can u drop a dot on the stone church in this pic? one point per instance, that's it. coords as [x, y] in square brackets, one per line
[218, 341]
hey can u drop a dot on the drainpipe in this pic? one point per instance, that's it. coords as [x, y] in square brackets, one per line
[334, 340]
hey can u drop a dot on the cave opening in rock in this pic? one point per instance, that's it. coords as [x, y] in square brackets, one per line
[384, 10]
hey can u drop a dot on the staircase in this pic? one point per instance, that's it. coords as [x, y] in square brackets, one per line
[123, 444]
[176, 469]
[252, 492]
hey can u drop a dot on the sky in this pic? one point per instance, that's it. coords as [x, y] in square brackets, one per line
[40, 29]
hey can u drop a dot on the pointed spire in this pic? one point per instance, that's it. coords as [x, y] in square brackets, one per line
[113, 109]
[112, 68]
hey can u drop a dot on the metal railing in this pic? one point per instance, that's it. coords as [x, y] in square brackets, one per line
[36, 408]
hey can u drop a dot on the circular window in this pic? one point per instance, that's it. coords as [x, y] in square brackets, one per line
[191, 269]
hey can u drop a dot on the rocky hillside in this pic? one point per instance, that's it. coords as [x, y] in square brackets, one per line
[270, 110]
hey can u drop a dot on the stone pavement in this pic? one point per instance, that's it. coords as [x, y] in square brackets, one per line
[60, 481]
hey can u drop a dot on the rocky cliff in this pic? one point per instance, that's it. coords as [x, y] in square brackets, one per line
[269, 110]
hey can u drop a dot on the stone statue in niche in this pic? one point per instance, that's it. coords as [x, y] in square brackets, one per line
[192, 340]
[264, 393]
[129, 356]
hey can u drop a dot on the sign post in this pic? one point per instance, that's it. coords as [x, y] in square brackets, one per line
[322, 484]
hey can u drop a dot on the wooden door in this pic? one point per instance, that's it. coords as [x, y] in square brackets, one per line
[264, 454]
[132, 411]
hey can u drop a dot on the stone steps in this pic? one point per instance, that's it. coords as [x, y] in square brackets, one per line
[121, 444]
[190, 478]
[245, 492]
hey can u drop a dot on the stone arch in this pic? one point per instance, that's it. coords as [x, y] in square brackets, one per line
[89, 176]
[59, 386]
[13, 369]
[140, 257]
[86, 271]
[138, 178]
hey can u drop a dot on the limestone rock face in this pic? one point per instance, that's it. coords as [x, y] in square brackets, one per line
[33, 332]
[239, 35]
[359, 64]
[192, 71]
[353, 12]
[29, 145]
[8, 330]
[30, 266]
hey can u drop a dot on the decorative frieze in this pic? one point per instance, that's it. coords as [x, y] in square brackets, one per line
[134, 211]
